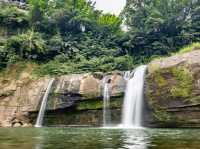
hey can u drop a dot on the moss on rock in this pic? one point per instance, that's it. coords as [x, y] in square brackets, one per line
[177, 81]
[7, 93]
[183, 87]
[97, 104]
[166, 88]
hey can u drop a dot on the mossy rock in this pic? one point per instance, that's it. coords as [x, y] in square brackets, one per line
[175, 82]
[183, 87]
[98, 104]
[7, 94]
[169, 87]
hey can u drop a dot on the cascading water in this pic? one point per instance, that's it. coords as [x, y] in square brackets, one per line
[43, 105]
[128, 75]
[132, 107]
[106, 103]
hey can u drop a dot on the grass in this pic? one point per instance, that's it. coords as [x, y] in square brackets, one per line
[14, 71]
[189, 48]
[154, 66]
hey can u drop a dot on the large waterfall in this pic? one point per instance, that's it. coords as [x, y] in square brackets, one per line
[106, 102]
[40, 116]
[133, 100]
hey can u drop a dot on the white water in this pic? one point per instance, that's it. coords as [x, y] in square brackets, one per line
[106, 104]
[43, 105]
[133, 101]
[128, 75]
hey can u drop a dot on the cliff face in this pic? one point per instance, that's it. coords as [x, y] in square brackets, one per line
[173, 91]
[172, 94]
[74, 99]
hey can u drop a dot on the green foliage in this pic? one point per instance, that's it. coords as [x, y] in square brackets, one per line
[176, 82]
[28, 46]
[110, 21]
[97, 104]
[163, 116]
[3, 57]
[160, 27]
[191, 47]
[70, 36]
[12, 17]
[160, 80]
[78, 38]
[166, 84]
[183, 87]
[107, 63]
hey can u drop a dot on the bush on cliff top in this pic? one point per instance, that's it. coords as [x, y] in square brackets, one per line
[191, 47]
[60, 66]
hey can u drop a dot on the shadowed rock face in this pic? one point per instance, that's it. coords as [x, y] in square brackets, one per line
[21, 98]
[173, 91]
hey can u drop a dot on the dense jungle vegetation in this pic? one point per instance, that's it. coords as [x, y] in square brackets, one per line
[70, 36]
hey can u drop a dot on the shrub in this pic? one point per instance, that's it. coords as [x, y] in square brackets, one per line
[13, 18]
[189, 48]
[30, 45]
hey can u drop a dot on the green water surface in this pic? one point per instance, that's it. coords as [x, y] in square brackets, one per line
[97, 138]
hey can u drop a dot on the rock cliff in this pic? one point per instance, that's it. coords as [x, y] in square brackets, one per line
[20, 98]
[172, 95]
[173, 90]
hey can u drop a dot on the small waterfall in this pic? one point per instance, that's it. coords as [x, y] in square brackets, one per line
[43, 105]
[106, 102]
[132, 107]
[128, 75]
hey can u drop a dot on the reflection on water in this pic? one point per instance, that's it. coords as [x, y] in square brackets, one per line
[94, 138]
[39, 143]
[135, 139]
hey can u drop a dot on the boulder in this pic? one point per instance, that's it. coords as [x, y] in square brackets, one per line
[173, 91]
[27, 125]
[17, 125]
[90, 87]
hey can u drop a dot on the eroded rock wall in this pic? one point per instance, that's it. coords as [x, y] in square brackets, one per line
[20, 98]
[173, 91]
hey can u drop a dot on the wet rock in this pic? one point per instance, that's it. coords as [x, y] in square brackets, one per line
[17, 125]
[25, 125]
[21, 97]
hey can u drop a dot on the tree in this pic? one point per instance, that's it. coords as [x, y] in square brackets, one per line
[29, 45]
[159, 27]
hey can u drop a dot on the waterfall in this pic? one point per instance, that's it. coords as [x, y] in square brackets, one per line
[128, 75]
[133, 100]
[40, 116]
[106, 102]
